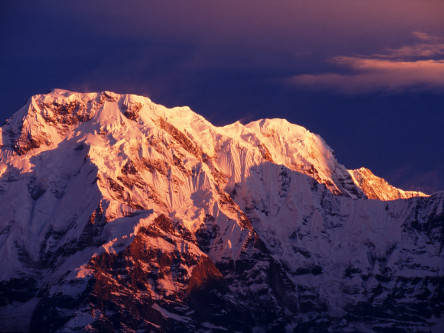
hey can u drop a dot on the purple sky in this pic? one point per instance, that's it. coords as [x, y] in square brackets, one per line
[368, 76]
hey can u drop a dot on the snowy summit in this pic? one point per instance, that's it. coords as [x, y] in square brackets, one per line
[119, 212]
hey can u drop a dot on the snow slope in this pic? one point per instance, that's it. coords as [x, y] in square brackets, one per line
[118, 213]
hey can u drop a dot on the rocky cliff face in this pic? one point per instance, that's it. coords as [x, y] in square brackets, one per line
[377, 188]
[118, 214]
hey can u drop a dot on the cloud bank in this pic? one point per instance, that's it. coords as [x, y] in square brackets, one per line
[416, 66]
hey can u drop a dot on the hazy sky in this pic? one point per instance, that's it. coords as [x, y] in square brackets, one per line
[368, 76]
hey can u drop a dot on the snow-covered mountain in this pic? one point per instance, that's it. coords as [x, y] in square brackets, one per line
[118, 214]
[375, 187]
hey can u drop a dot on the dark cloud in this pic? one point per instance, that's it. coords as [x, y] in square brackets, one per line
[428, 47]
[419, 66]
[376, 75]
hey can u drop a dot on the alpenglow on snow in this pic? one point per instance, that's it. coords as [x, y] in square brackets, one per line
[120, 214]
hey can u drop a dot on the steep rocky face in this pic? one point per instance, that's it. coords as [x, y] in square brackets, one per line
[377, 188]
[118, 214]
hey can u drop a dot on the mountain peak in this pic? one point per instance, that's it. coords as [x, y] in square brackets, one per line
[119, 212]
[48, 119]
[378, 188]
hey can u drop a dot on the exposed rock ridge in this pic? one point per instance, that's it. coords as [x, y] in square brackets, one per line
[377, 188]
